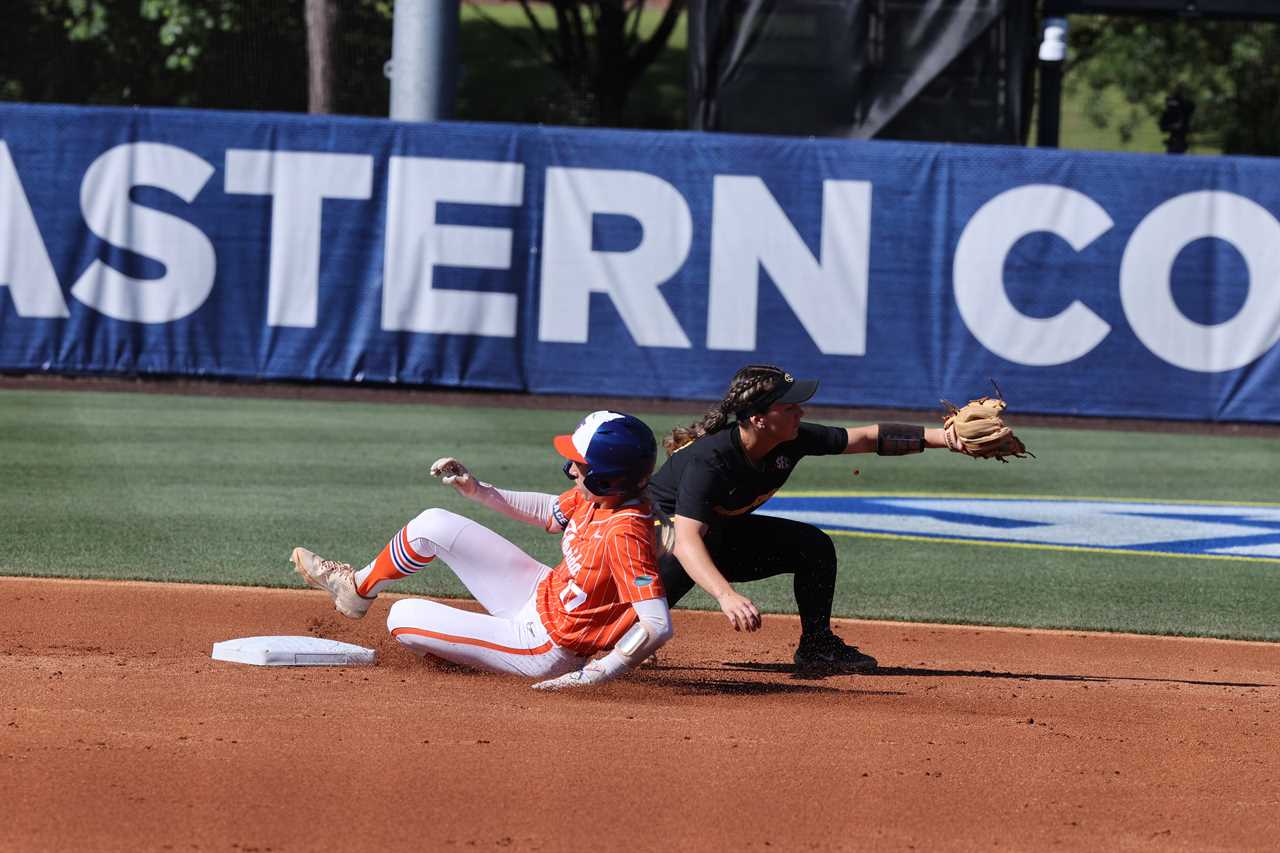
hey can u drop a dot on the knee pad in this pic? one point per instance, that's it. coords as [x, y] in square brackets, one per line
[433, 518]
[438, 526]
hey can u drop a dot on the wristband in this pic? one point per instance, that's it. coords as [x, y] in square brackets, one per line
[899, 439]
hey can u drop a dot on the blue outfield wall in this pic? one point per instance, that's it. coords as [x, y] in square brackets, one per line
[637, 264]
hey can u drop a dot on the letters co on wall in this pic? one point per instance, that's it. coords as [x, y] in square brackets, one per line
[637, 264]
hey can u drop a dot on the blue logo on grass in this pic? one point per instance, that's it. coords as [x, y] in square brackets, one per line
[1229, 531]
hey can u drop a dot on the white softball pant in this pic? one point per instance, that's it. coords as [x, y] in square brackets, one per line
[510, 638]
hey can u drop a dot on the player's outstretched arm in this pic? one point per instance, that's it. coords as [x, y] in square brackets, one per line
[976, 429]
[692, 553]
[894, 439]
[651, 631]
[529, 507]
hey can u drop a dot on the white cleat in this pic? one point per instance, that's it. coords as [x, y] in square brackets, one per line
[337, 579]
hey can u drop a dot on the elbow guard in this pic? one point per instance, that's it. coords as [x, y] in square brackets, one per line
[899, 439]
[638, 643]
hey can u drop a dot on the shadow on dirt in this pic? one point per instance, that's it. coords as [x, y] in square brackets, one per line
[738, 687]
[1045, 676]
[906, 671]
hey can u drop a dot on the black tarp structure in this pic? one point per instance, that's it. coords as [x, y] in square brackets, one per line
[926, 70]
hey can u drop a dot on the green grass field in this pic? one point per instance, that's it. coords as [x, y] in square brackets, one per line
[166, 487]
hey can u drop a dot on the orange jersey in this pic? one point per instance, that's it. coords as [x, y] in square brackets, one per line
[609, 562]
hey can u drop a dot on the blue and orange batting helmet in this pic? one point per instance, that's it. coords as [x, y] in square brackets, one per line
[617, 449]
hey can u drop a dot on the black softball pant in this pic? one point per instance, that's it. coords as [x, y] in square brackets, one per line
[754, 547]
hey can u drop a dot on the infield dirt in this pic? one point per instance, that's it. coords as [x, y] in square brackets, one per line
[118, 732]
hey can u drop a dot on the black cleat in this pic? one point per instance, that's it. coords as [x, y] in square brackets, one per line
[826, 653]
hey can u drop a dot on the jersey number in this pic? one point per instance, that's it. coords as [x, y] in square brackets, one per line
[572, 596]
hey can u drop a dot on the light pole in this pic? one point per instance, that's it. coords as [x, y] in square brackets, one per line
[424, 59]
[1053, 54]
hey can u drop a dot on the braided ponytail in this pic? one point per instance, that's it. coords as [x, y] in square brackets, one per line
[748, 385]
[713, 421]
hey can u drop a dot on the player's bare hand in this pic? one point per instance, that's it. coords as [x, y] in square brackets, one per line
[739, 610]
[589, 674]
[453, 473]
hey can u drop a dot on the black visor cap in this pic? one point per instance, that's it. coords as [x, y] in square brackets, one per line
[790, 391]
[799, 391]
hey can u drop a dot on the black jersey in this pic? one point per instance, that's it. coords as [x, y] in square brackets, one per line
[712, 478]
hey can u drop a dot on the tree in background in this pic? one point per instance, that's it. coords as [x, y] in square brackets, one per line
[193, 53]
[322, 22]
[250, 55]
[222, 54]
[74, 50]
[1226, 71]
[597, 47]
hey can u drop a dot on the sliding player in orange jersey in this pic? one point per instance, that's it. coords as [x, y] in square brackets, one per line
[542, 622]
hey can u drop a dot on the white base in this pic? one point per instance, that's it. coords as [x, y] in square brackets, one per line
[292, 651]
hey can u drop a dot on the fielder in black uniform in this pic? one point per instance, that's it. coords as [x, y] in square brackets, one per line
[726, 465]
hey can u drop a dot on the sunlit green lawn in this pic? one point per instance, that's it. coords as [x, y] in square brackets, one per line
[123, 485]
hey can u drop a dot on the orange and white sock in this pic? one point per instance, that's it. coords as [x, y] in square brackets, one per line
[397, 560]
